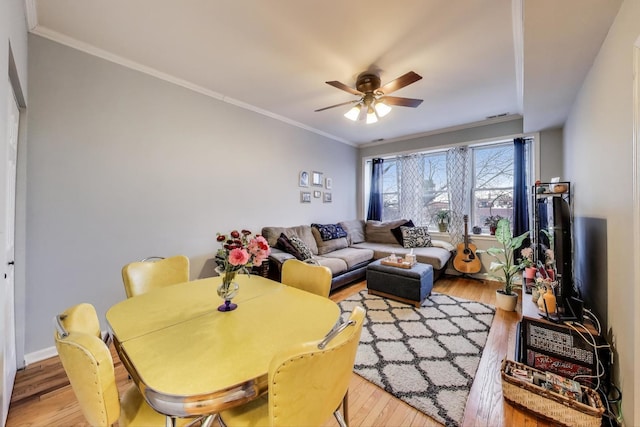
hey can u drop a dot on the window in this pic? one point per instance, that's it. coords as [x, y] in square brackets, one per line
[492, 185]
[416, 187]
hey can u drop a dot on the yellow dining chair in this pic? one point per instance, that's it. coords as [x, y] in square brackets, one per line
[89, 366]
[307, 382]
[81, 318]
[308, 277]
[146, 275]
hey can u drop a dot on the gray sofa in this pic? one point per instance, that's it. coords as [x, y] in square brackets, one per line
[348, 257]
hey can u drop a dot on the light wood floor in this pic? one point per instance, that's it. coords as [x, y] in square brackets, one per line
[42, 395]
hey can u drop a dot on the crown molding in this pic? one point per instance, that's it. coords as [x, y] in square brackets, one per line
[517, 18]
[32, 13]
[108, 56]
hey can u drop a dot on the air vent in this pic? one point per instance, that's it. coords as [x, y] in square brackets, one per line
[378, 140]
[497, 115]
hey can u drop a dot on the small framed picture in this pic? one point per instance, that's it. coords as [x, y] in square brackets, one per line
[305, 197]
[327, 197]
[328, 183]
[316, 179]
[304, 179]
[317, 194]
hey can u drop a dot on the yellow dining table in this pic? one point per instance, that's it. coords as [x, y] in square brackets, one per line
[189, 359]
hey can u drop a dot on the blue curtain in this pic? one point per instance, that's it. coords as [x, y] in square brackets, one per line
[520, 202]
[375, 195]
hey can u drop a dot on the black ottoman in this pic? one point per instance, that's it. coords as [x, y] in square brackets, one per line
[410, 285]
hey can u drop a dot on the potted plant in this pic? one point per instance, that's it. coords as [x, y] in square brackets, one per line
[526, 263]
[505, 264]
[492, 223]
[442, 217]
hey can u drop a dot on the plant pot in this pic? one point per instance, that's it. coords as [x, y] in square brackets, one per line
[506, 302]
[442, 227]
[529, 273]
[492, 230]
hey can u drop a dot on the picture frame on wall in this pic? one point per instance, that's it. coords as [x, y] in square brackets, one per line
[305, 197]
[328, 183]
[327, 197]
[316, 179]
[317, 194]
[303, 179]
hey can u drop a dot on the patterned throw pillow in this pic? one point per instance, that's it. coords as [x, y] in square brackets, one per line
[302, 248]
[285, 244]
[397, 233]
[330, 231]
[416, 237]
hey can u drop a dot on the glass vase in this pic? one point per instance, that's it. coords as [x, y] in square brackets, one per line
[227, 289]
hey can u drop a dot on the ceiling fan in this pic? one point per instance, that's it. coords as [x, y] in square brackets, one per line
[374, 101]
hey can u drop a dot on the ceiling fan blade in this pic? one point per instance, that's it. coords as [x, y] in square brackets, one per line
[344, 87]
[400, 82]
[338, 105]
[402, 102]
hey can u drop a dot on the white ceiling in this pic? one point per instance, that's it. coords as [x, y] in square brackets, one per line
[478, 58]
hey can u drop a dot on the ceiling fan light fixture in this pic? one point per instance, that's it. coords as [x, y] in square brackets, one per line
[353, 113]
[371, 115]
[382, 109]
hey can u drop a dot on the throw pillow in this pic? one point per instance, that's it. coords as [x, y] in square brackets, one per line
[330, 231]
[397, 233]
[380, 232]
[302, 247]
[354, 229]
[326, 246]
[416, 237]
[285, 244]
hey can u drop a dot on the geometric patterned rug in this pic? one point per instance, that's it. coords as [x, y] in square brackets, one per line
[425, 356]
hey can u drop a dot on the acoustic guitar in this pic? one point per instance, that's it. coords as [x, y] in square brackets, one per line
[466, 261]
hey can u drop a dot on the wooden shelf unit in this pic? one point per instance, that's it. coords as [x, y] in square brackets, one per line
[558, 347]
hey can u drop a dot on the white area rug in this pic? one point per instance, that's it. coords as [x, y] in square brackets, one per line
[425, 356]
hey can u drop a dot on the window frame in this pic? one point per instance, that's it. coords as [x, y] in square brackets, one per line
[533, 169]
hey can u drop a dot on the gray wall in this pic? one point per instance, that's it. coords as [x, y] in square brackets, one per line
[123, 165]
[551, 155]
[599, 160]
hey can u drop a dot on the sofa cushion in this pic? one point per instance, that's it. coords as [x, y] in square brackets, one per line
[380, 232]
[302, 247]
[336, 265]
[436, 256]
[416, 237]
[352, 256]
[354, 229]
[397, 233]
[301, 231]
[330, 231]
[285, 244]
[326, 246]
[279, 255]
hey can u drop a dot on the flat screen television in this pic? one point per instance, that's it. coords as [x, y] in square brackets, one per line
[554, 218]
[563, 250]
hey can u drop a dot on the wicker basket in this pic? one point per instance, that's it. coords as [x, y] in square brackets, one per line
[547, 404]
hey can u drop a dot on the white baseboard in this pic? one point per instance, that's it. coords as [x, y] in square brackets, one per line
[40, 355]
[46, 353]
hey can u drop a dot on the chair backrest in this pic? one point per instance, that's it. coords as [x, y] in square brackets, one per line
[81, 318]
[306, 383]
[88, 363]
[144, 276]
[308, 277]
